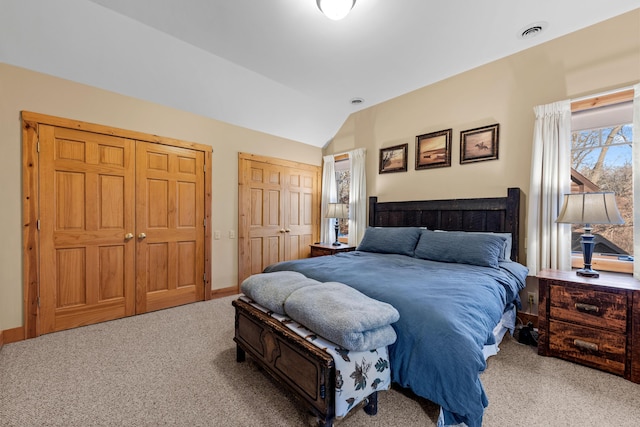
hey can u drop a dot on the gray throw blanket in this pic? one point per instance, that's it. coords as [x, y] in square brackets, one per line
[270, 290]
[343, 315]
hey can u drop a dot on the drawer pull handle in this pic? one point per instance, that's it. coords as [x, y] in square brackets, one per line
[585, 345]
[588, 308]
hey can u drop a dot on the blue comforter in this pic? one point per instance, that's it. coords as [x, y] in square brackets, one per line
[447, 315]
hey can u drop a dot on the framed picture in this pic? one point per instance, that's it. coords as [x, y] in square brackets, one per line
[433, 150]
[479, 144]
[393, 159]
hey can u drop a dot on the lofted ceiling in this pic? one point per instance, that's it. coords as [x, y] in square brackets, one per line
[277, 66]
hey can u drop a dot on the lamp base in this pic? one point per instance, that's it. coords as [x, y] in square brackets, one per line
[587, 244]
[336, 243]
[587, 272]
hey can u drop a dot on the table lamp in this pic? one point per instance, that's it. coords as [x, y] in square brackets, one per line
[337, 211]
[587, 209]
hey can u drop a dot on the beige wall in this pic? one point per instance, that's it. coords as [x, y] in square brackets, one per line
[21, 89]
[602, 57]
[599, 58]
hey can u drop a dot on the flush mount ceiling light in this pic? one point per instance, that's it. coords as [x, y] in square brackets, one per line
[532, 30]
[335, 9]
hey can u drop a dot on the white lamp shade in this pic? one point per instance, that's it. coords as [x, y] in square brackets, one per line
[335, 9]
[337, 210]
[590, 208]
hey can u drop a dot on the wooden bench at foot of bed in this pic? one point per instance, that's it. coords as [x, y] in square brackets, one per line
[304, 369]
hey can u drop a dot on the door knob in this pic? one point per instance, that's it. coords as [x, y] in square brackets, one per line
[128, 236]
[282, 230]
[141, 236]
[287, 230]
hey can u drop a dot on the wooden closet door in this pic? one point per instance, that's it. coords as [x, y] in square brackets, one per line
[299, 217]
[169, 226]
[87, 262]
[278, 209]
[262, 229]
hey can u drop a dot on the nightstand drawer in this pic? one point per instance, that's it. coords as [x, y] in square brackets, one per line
[597, 348]
[588, 307]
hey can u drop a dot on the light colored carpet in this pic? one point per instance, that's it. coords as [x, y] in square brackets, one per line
[177, 367]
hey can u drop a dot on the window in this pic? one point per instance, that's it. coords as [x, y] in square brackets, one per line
[601, 157]
[343, 181]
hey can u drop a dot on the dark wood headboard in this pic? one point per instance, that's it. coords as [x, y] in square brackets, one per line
[497, 214]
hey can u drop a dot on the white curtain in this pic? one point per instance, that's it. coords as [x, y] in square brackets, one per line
[636, 181]
[329, 195]
[357, 196]
[548, 243]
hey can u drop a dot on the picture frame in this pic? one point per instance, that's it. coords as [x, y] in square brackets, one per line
[433, 150]
[479, 144]
[393, 159]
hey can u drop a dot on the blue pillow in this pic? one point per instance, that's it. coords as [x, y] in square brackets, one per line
[460, 247]
[506, 252]
[390, 240]
[505, 255]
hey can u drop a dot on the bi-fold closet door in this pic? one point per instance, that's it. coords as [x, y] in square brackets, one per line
[278, 211]
[122, 227]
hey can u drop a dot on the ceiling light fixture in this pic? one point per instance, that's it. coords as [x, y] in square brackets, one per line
[335, 9]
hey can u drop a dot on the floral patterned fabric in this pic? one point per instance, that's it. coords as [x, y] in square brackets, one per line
[358, 373]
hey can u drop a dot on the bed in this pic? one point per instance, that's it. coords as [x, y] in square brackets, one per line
[450, 268]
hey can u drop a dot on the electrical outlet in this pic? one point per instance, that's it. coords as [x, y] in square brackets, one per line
[532, 298]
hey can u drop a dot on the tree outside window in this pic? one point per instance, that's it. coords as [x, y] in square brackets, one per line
[602, 157]
[343, 181]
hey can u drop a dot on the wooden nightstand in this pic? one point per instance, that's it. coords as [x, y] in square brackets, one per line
[591, 321]
[322, 249]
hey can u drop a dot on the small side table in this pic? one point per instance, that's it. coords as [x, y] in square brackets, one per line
[322, 249]
[591, 321]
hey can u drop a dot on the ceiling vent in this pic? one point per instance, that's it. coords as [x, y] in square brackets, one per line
[357, 101]
[532, 30]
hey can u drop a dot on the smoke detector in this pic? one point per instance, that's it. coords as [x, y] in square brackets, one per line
[356, 101]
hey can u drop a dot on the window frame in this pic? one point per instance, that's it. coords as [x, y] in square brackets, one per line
[598, 261]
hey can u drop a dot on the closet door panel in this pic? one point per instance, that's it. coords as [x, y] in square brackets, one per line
[111, 272]
[87, 264]
[187, 264]
[300, 190]
[261, 237]
[170, 226]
